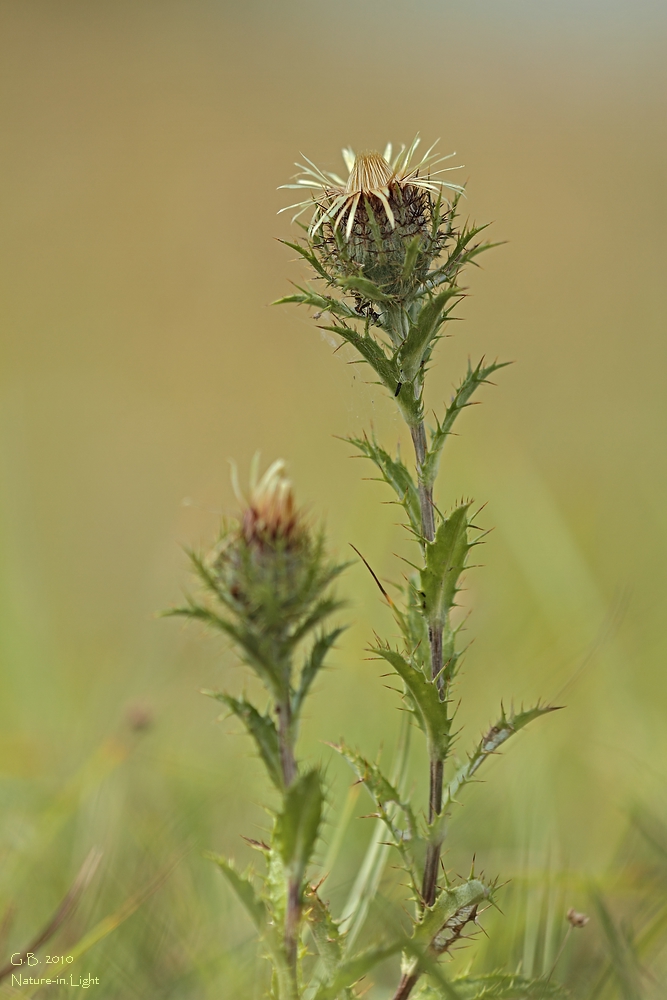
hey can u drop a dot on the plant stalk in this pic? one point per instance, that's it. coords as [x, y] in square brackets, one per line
[286, 741]
[405, 986]
[293, 903]
[432, 862]
[436, 768]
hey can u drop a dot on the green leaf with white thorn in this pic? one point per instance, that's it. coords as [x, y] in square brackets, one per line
[411, 255]
[497, 986]
[372, 353]
[244, 889]
[328, 939]
[312, 666]
[474, 378]
[262, 729]
[430, 712]
[367, 289]
[298, 823]
[354, 969]
[325, 303]
[422, 333]
[396, 475]
[491, 741]
[378, 786]
[443, 922]
[445, 561]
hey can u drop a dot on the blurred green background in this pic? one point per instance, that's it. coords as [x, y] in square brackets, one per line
[142, 145]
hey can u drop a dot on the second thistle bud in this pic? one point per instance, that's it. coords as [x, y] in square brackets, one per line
[269, 565]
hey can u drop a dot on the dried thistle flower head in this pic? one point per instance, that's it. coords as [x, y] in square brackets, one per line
[577, 919]
[384, 182]
[386, 223]
[269, 565]
[270, 514]
[266, 585]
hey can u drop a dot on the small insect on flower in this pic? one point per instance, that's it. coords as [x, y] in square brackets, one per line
[379, 180]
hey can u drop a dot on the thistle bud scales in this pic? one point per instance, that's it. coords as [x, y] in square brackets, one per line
[269, 566]
[364, 226]
[376, 249]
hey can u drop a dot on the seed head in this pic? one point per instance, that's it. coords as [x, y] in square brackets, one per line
[270, 515]
[577, 919]
[365, 225]
[266, 584]
[380, 179]
[268, 563]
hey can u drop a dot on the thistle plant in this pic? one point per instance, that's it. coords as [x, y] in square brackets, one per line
[389, 249]
[266, 585]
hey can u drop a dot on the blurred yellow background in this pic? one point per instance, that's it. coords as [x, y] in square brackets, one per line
[142, 145]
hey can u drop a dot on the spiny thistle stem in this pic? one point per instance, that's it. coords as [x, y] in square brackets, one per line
[436, 767]
[406, 985]
[286, 741]
[292, 924]
[418, 434]
[293, 900]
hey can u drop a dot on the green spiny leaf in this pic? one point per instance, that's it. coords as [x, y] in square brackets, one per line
[445, 561]
[473, 379]
[491, 741]
[253, 654]
[325, 303]
[275, 886]
[497, 986]
[411, 353]
[298, 824]
[415, 629]
[313, 665]
[262, 729]
[321, 610]
[430, 711]
[408, 841]
[368, 289]
[379, 787]
[411, 255]
[396, 475]
[245, 891]
[309, 256]
[451, 902]
[354, 969]
[372, 353]
[264, 921]
[209, 580]
[328, 938]
[442, 924]
[460, 254]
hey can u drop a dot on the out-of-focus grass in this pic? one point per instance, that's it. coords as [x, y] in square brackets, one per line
[143, 144]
